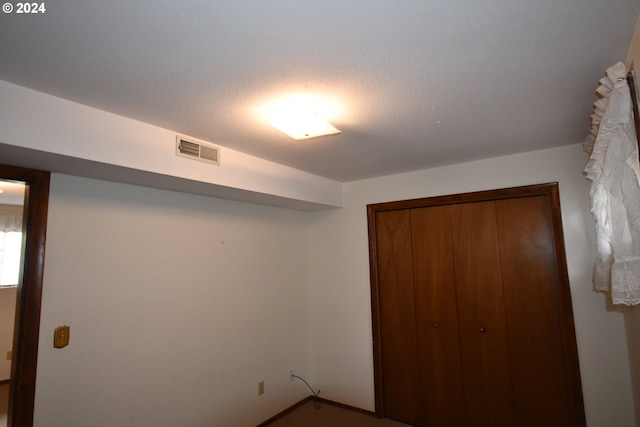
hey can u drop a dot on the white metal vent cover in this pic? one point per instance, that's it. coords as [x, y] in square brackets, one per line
[197, 150]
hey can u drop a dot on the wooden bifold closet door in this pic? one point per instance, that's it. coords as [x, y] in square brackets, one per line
[472, 313]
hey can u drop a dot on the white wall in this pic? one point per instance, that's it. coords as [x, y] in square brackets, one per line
[7, 316]
[340, 288]
[178, 306]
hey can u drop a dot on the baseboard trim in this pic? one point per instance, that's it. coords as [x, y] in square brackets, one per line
[320, 400]
[3, 382]
[286, 411]
[348, 407]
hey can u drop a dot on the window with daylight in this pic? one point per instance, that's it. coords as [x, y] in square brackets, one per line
[10, 244]
[10, 247]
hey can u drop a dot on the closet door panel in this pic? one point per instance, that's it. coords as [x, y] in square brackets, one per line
[533, 306]
[437, 318]
[483, 335]
[398, 341]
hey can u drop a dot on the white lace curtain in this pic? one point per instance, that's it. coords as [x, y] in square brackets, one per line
[614, 171]
[10, 244]
[10, 218]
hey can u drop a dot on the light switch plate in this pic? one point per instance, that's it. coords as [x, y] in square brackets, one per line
[61, 336]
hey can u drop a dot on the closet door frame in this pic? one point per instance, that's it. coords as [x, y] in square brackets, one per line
[550, 190]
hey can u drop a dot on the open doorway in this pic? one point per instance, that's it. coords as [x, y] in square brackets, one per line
[12, 195]
[28, 297]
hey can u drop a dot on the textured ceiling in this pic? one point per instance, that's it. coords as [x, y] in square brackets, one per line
[419, 83]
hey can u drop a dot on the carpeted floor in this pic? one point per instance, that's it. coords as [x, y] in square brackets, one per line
[4, 404]
[310, 414]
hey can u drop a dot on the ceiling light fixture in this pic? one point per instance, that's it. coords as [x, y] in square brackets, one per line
[300, 116]
[304, 125]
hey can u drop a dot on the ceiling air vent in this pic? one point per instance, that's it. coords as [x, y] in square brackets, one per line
[187, 147]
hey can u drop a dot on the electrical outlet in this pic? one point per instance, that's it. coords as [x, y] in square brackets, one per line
[290, 375]
[9, 355]
[260, 388]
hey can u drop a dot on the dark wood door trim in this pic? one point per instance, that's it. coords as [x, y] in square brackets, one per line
[29, 296]
[551, 191]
